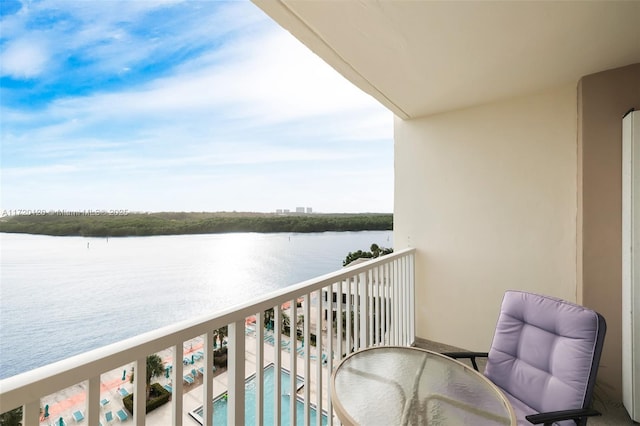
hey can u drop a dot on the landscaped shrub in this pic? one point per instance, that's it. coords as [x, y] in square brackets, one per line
[159, 396]
[220, 361]
[12, 418]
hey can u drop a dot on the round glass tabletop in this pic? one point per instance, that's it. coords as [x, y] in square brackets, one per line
[411, 386]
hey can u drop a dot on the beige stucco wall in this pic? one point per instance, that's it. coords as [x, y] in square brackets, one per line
[603, 98]
[487, 195]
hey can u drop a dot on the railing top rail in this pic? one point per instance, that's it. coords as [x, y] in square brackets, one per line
[15, 390]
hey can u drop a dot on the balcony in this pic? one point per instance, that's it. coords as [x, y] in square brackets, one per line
[376, 308]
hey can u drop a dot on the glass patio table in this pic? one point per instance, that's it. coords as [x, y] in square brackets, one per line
[411, 386]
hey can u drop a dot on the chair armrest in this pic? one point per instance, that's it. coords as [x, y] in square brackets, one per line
[556, 416]
[467, 355]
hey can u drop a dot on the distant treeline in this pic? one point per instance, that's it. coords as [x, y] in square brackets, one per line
[92, 224]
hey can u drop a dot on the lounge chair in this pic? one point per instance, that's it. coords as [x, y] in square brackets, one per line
[122, 415]
[324, 357]
[78, 416]
[201, 370]
[189, 379]
[123, 392]
[104, 402]
[108, 416]
[168, 388]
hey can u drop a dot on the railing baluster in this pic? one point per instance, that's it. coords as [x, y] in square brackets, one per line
[293, 376]
[412, 299]
[405, 302]
[356, 311]
[176, 381]
[140, 392]
[320, 358]
[390, 303]
[400, 302]
[330, 336]
[236, 373]
[365, 314]
[396, 303]
[277, 391]
[351, 301]
[207, 378]
[31, 413]
[93, 400]
[340, 317]
[259, 332]
[382, 296]
[306, 309]
[373, 313]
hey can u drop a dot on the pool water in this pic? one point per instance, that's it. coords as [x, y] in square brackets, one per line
[220, 403]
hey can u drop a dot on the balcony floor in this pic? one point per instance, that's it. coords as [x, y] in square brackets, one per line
[613, 412]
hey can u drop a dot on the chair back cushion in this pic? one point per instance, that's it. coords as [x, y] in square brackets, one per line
[546, 351]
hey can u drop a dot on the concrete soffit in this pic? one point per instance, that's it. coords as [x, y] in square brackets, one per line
[420, 58]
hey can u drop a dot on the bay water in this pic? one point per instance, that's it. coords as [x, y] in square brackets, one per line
[60, 296]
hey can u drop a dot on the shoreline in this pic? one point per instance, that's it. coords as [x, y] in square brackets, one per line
[149, 224]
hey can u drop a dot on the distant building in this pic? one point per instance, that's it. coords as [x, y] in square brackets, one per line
[298, 210]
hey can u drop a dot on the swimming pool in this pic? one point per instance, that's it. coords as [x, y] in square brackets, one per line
[220, 402]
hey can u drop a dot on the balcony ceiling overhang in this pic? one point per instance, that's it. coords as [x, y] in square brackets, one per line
[424, 57]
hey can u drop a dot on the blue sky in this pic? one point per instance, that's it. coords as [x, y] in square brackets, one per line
[180, 106]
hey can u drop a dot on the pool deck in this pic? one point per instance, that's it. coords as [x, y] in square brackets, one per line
[193, 395]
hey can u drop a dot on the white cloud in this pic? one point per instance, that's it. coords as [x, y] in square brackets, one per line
[258, 123]
[261, 85]
[24, 58]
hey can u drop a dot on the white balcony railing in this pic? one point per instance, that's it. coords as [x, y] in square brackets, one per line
[374, 302]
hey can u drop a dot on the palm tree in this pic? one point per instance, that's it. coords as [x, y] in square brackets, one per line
[268, 318]
[221, 333]
[300, 325]
[155, 368]
[286, 324]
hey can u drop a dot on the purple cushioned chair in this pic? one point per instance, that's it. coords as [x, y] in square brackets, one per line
[544, 356]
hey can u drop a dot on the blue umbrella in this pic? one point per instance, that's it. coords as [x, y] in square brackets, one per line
[46, 411]
[61, 421]
[166, 372]
[124, 375]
